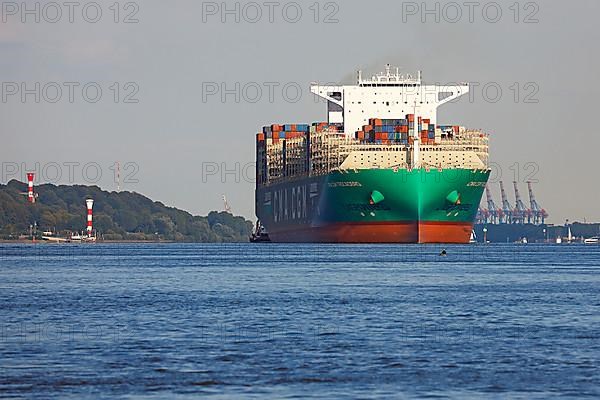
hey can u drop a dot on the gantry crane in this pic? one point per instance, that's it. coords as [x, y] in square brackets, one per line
[537, 213]
[520, 212]
[492, 210]
[507, 210]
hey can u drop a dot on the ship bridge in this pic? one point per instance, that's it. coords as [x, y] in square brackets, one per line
[388, 95]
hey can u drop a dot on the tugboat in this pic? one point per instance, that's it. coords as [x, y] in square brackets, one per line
[260, 234]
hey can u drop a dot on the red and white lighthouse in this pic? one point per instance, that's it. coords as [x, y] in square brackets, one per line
[90, 204]
[30, 195]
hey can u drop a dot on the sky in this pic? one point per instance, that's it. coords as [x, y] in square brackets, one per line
[175, 91]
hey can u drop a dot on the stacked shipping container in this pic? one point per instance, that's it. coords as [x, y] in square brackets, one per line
[296, 150]
[293, 143]
[402, 131]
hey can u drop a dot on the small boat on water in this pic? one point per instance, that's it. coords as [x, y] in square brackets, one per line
[592, 240]
[473, 237]
[260, 234]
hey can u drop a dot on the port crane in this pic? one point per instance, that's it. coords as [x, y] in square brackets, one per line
[538, 214]
[506, 210]
[492, 211]
[520, 212]
[506, 214]
[482, 215]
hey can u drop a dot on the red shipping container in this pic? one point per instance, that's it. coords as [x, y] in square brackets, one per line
[377, 122]
[260, 137]
[377, 136]
[276, 128]
[427, 121]
[410, 117]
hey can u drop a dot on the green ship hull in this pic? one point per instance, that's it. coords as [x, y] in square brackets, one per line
[374, 206]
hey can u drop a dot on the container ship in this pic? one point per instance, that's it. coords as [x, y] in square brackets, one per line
[380, 170]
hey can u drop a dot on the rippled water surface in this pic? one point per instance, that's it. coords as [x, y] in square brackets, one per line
[299, 321]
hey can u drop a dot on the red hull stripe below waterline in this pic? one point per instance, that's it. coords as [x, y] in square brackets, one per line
[378, 232]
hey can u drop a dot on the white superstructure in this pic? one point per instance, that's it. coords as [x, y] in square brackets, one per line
[386, 95]
[357, 114]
